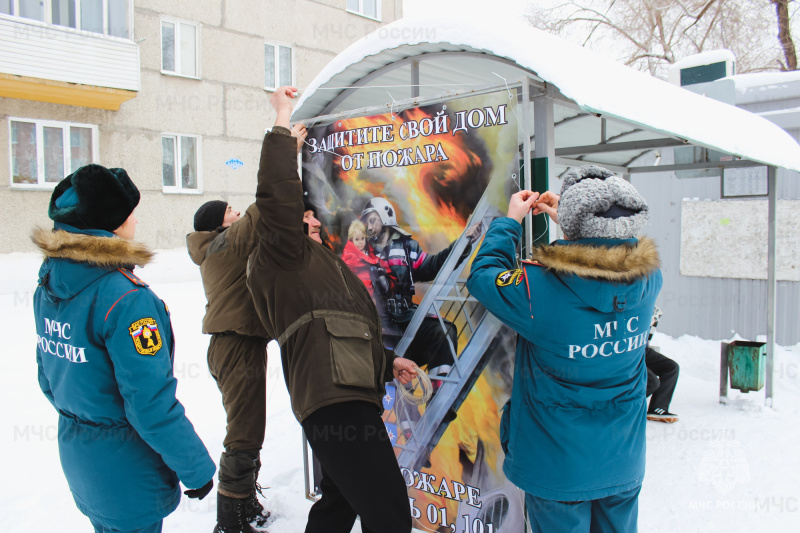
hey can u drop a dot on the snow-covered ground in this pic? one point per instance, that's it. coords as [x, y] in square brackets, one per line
[731, 468]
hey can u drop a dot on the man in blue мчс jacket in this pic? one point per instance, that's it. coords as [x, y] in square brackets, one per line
[105, 353]
[574, 429]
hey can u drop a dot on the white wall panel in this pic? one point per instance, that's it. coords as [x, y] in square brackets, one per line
[728, 239]
[37, 50]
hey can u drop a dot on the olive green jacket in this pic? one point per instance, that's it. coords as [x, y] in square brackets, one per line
[308, 299]
[222, 256]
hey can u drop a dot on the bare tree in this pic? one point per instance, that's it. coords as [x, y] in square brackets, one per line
[785, 35]
[652, 34]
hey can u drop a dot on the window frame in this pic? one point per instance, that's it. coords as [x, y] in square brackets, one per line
[378, 11]
[178, 187]
[40, 124]
[48, 18]
[277, 45]
[177, 22]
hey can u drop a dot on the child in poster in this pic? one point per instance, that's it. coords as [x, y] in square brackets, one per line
[361, 259]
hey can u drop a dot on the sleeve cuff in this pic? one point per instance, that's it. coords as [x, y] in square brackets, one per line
[509, 223]
[388, 374]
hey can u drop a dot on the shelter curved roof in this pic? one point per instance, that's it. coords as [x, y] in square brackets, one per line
[413, 59]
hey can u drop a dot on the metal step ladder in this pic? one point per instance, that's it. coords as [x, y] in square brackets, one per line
[448, 297]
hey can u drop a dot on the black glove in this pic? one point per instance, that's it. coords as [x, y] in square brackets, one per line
[202, 492]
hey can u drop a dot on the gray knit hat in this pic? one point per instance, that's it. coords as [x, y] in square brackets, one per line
[597, 204]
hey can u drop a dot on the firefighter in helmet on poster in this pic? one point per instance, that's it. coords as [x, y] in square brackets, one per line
[409, 263]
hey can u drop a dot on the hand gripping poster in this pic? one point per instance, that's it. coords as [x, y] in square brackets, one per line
[405, 198]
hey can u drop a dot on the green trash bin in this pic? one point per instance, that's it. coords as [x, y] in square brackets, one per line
[747, 362]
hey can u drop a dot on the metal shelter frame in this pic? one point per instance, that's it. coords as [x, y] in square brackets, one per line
[541, 145]
[563, 125]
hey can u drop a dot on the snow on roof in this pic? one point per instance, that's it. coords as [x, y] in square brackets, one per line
[593, 82]
[764, 80]
[704, 58]
[710, 57]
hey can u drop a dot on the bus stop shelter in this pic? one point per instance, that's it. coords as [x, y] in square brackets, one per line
[576, 107]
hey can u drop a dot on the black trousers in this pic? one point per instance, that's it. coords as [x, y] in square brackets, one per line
[360, 475]
[662, 376]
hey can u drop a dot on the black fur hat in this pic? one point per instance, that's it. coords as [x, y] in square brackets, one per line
[94, 197]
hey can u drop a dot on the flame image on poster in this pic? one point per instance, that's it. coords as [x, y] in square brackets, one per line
[399, 194]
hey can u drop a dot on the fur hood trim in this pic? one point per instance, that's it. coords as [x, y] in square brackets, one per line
[621, 263]
[101, 251]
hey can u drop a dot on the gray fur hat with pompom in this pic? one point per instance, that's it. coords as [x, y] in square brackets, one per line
[597, 204]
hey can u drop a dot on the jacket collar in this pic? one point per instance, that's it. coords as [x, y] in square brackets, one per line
[198, 243]
[111, 252]
[620, 260]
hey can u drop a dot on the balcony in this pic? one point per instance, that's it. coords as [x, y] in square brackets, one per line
[57, 64]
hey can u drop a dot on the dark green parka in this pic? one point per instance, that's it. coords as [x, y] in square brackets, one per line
[308, 299]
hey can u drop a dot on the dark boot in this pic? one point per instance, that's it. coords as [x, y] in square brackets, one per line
[252, 510]
[229, 516]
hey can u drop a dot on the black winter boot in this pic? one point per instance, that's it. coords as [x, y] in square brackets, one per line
[252, 510]
[229, 516]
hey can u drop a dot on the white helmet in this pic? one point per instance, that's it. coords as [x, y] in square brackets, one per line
[384, 209]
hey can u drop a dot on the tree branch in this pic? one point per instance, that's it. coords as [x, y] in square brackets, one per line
[785, 35]
[613, 27]
[637, 57]
[700, 15]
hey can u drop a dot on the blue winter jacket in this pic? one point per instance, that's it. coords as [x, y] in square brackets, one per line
[574, 429]
[105, 354]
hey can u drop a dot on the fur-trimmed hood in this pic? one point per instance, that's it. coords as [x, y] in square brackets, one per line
[623, 262]
[606, 274]
[108, 252]
[73, 261]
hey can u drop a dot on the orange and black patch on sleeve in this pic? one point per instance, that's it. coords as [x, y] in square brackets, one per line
[145, 335]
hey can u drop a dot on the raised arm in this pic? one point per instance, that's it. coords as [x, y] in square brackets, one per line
[427, 266]
[279, 195]
[242, 236]
[494, 278]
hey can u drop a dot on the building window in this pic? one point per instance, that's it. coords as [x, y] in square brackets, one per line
[279, 67]
[45, 152]
[365, 8]
[31, 9]
[179, 48]
[180, 163]
[109, 17]
[62, 13]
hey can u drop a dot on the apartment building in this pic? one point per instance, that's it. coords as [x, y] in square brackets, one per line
[176, 92]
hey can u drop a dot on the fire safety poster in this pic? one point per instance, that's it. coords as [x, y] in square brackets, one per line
[396, 194]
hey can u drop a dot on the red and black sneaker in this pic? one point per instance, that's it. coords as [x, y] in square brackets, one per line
[662, 415]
